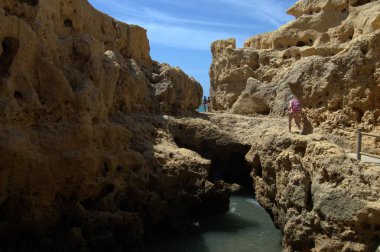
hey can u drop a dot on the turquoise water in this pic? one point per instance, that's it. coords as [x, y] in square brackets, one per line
[201, 109]
[245, 228]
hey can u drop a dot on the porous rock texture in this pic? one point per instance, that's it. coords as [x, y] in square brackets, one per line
[328, 57]
[89, 161]
[320, 198]
[86, 161]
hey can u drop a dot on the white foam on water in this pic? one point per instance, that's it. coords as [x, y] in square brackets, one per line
[252, 201]
[233, 208]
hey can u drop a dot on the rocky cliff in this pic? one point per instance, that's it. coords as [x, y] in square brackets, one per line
[328, 57]
[320, 198]
[82, 163]
[89, 161]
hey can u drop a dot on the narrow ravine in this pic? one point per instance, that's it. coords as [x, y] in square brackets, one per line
[245, 227]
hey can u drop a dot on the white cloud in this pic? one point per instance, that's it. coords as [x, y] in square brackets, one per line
[129, 10]
[164, 18]
[192, 31]
[271, 10]
[116, 7]
[183, 37]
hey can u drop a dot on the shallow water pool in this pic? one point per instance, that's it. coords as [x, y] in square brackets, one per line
[245, 228]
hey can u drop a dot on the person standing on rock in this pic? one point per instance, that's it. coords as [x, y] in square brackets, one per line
[295, 112]
[205, 103]
[208, 104]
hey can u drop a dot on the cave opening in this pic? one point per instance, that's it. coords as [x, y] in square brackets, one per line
[264, 110]
[358, 114]
[228, 164]
[227, 161]
[29, 2]
[300, 44]
[68, 23]
[360, 2]
[232, 168]
[17, 95]
[10, 47]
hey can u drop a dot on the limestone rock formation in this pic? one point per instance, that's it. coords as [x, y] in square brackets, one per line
[320, 198]
[89, 161]
[81, 104]
[328, 57]
[82, 52]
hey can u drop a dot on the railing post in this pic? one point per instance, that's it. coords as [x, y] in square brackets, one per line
[359, 145]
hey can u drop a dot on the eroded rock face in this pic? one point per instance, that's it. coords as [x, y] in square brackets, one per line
[57, 53]
[328, 57]
[320, 198]
[81, 160]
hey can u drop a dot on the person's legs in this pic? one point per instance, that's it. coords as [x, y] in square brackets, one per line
[291, 115]
[297, 119]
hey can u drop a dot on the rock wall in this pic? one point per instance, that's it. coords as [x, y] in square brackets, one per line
[321, 199]
[89, 162]
[327, 57]
[82, 165]
[60, 53]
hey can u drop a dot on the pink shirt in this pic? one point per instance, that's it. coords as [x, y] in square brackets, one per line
[295, 105]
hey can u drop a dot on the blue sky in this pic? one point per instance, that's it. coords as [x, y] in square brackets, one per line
[181, 32]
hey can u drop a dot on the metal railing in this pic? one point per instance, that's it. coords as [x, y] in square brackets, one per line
[359, 152]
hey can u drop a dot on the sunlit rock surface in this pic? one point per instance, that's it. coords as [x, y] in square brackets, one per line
[328, 57]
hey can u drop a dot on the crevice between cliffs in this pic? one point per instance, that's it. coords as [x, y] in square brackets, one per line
[228, 164]
[293, 177]
[309, 186]
[227, 160]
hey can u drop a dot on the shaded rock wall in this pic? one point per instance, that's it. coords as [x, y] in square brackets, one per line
[328, 57]
[82, 165]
